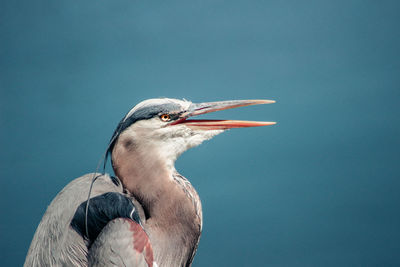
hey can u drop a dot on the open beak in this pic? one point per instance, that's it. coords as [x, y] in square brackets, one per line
[203, 108]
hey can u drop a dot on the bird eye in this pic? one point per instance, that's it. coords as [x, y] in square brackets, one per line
[165, 117]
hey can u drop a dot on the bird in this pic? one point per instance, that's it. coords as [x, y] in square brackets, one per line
[146, 214]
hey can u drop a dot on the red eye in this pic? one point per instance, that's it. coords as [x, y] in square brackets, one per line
[165, 117]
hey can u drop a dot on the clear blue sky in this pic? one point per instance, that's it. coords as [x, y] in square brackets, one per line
[321, 188]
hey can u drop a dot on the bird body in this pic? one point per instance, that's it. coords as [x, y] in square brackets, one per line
[149, 215]
[55, 242]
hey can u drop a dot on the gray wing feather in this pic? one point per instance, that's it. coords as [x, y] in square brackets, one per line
[119, 244]
[55, 243]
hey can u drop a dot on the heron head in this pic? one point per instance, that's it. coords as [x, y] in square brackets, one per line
[163, 126]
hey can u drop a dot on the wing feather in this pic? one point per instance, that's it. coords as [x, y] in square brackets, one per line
[122, 242]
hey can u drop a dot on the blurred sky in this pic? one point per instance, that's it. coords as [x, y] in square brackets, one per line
[321, 188]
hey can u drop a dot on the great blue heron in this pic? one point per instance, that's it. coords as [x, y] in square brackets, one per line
[149, 214]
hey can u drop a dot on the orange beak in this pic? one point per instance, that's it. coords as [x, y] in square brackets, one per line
[203, 108]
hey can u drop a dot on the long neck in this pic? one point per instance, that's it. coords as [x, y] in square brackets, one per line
[172, 206]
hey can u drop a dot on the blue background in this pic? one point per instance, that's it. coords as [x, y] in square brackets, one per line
[321, 188]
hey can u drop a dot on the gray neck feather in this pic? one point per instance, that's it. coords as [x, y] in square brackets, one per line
[172, 206]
